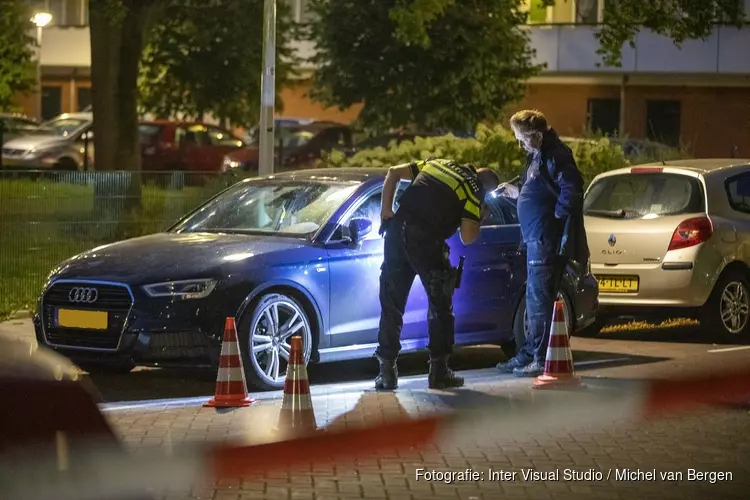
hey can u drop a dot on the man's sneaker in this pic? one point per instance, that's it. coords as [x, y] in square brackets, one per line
[509, 365]
[533, 369]
[442, 377]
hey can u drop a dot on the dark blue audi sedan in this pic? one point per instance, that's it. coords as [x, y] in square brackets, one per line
[291, 254]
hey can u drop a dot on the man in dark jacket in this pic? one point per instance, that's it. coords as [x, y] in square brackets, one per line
[550, 206]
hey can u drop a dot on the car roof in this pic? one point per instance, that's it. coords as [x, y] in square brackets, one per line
[80, 116]
[351, 174]
[701, 166]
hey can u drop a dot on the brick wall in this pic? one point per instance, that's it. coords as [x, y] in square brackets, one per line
[713, 119]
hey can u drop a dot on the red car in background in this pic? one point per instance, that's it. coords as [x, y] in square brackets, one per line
[298, 146]
[185, 146]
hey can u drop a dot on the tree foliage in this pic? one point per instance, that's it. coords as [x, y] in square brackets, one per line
[17, 65]
[428, 64]
[679, 20]
[206, 56]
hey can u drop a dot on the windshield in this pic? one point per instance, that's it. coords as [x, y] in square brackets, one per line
[63, 127]
[285, 207]
[643, 196]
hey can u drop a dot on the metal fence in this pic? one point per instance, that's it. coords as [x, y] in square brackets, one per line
[47, 217]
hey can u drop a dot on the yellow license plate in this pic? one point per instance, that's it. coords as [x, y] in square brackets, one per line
[72, 318]
[618, 284]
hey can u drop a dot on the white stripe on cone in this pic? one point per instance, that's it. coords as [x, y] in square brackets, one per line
[296, 402]
[230, 349]
[230, 374]
[298, 373]
[558, 354]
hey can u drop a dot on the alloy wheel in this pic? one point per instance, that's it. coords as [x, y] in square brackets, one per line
[734, 307]
[270, 335]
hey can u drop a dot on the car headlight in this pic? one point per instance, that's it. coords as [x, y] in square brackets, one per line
[187, 289]
[228, 164]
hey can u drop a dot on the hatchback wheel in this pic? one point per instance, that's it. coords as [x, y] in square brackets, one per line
[265, 339]
[727, 312]
[521, 325]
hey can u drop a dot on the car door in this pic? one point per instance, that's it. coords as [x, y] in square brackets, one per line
[494, 272]
[195, 147]
[222, 143]
[355, 276]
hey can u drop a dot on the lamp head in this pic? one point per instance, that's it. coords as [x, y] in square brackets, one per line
[41, 19]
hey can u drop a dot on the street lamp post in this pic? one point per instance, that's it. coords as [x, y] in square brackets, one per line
[268, 90]
[40, 19]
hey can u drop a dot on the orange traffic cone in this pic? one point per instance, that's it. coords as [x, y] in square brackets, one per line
[558, 367]
[231, 388]
[297, 416]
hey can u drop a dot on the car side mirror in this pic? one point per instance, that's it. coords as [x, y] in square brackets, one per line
[359, 229]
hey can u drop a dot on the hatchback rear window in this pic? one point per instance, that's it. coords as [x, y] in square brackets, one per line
[644, 196]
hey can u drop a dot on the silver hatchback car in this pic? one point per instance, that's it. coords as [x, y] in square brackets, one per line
[672, 239]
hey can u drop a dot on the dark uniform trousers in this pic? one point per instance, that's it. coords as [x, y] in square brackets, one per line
[544, 268]
[410, 251]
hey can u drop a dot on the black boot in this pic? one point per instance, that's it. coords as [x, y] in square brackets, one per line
[442, 377]
[387, 380]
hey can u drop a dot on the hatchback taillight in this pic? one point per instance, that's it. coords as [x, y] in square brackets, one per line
[691, 232]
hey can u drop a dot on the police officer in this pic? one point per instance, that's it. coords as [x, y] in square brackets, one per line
[443, 197]
[550, 204]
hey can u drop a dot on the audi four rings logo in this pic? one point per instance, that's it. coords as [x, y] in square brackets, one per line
[83, 295]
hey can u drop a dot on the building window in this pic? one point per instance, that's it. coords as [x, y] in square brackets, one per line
[83, 97]
[663, 122]
[74, 12]
[604, 116]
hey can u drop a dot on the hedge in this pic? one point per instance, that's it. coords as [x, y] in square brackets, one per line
[493, 147]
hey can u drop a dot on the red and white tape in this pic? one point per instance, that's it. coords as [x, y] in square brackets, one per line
[546, 412]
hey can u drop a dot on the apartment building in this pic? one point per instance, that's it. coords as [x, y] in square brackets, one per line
[697, 96]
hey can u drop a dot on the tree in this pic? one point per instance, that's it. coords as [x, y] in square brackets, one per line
[206, 56]
[17, 65]
[428, 64]
[118, 34]
[679, 20]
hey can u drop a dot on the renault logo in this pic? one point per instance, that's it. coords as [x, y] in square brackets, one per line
[83, 295]
[612, 240]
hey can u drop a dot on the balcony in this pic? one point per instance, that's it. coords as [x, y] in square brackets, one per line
[572, 49]
[66, 47]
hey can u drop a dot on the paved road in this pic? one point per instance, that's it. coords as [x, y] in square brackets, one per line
[615, 354]
[706, 441]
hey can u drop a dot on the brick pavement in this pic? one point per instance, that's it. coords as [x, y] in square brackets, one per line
[705, 441]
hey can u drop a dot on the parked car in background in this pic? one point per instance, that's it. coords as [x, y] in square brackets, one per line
[14, 125]
[58, 144]
[252, 135]
[672, 239]
[297, 146]
[296, 253]
[185, 146]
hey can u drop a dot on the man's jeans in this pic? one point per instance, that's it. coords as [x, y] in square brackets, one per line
[544, 273]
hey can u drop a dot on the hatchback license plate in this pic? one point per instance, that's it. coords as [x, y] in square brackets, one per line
[618, 284]
[91, 320]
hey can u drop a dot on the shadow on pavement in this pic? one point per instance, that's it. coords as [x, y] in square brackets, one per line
[155, 384]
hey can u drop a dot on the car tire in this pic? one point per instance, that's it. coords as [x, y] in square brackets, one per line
[106, 369]
[66, 165]
[519, 324]
[255, 327]
[592, 330]
[729, 300]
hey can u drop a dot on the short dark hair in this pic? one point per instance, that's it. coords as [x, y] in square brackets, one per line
[488, 178]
